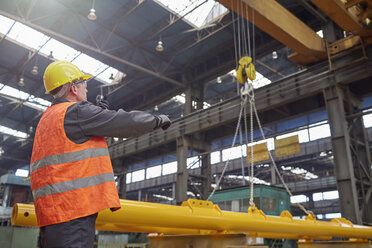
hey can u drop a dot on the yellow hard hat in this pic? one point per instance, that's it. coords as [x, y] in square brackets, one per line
[59, 73]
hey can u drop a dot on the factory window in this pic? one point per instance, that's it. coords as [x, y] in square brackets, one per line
[319, 132]
[193, 162]
[170, 168]
[328, 195]
[226, 205]
[332, 215]
[21, 173]
[303, 135]
[215, 157]
[269, 204]
[129, 177]
[231, 153]
[154, 171]
[367, 119]
[299, 198]
[138, 175]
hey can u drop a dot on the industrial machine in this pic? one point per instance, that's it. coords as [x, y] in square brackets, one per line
[271, 200]
[13, 189]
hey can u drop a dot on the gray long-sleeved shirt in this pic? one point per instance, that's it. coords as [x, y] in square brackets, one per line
[84, 120]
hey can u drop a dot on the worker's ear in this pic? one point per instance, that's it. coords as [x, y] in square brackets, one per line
[73, 89]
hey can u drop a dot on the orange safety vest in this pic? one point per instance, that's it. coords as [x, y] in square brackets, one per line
[69, 180]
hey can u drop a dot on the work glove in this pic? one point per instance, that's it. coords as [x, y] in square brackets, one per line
[163, 122]
[102, 102]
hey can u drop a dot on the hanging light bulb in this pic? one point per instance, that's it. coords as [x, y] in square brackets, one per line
[159, 47]
[156, 108]
[21, 81]
[92, 14]
[275, 55]
[50, 55]
[34, 70]
[219, 80]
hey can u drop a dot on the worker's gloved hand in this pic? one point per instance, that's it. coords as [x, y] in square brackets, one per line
[162, 121]
[102, 102]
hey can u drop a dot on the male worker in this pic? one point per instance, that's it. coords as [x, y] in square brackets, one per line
[71, 173]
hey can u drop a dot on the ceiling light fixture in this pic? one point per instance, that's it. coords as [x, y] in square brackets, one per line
[92, 13]
[159, 47]
[219, 80]
[50, 55]
[275, 55]
[21, 81]
[35, 70]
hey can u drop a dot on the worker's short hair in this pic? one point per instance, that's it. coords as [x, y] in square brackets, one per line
[56, 90]
[61, 91]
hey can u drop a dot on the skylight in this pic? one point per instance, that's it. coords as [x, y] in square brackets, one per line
[36, 40]
[28, 100]
[24, 98]
[12, 132]
[207, 12]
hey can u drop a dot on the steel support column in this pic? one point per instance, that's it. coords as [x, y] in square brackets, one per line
[351, 154]
[121, 173]
[206, 175]
[123, 183]
[194, 98]
[273, 174]
[182, 173]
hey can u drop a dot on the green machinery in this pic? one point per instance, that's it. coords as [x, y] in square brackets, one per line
[271, 200]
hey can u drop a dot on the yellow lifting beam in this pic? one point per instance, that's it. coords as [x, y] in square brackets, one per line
[204, 217]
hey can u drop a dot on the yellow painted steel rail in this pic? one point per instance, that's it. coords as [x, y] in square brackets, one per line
[203, 217]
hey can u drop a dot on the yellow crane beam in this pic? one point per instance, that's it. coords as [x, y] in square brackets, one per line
[342, 16]
[203, 217]
[282, 25]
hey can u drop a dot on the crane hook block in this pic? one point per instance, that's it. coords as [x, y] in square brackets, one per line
[245, 70]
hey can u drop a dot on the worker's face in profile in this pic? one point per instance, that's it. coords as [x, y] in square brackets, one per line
[81, 91]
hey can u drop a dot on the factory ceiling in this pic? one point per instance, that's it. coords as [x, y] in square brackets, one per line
[123, 41]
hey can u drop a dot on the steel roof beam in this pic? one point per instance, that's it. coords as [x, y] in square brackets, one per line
[108, 37]
[132, 42]
[92, 49]
[282, 25]
[313, 11]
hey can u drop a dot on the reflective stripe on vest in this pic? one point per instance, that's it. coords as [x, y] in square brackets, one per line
[68, 157]
[73, 184]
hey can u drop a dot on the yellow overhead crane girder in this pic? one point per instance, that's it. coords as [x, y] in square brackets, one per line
[346, 18]
[204, 217]
[282, 25]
